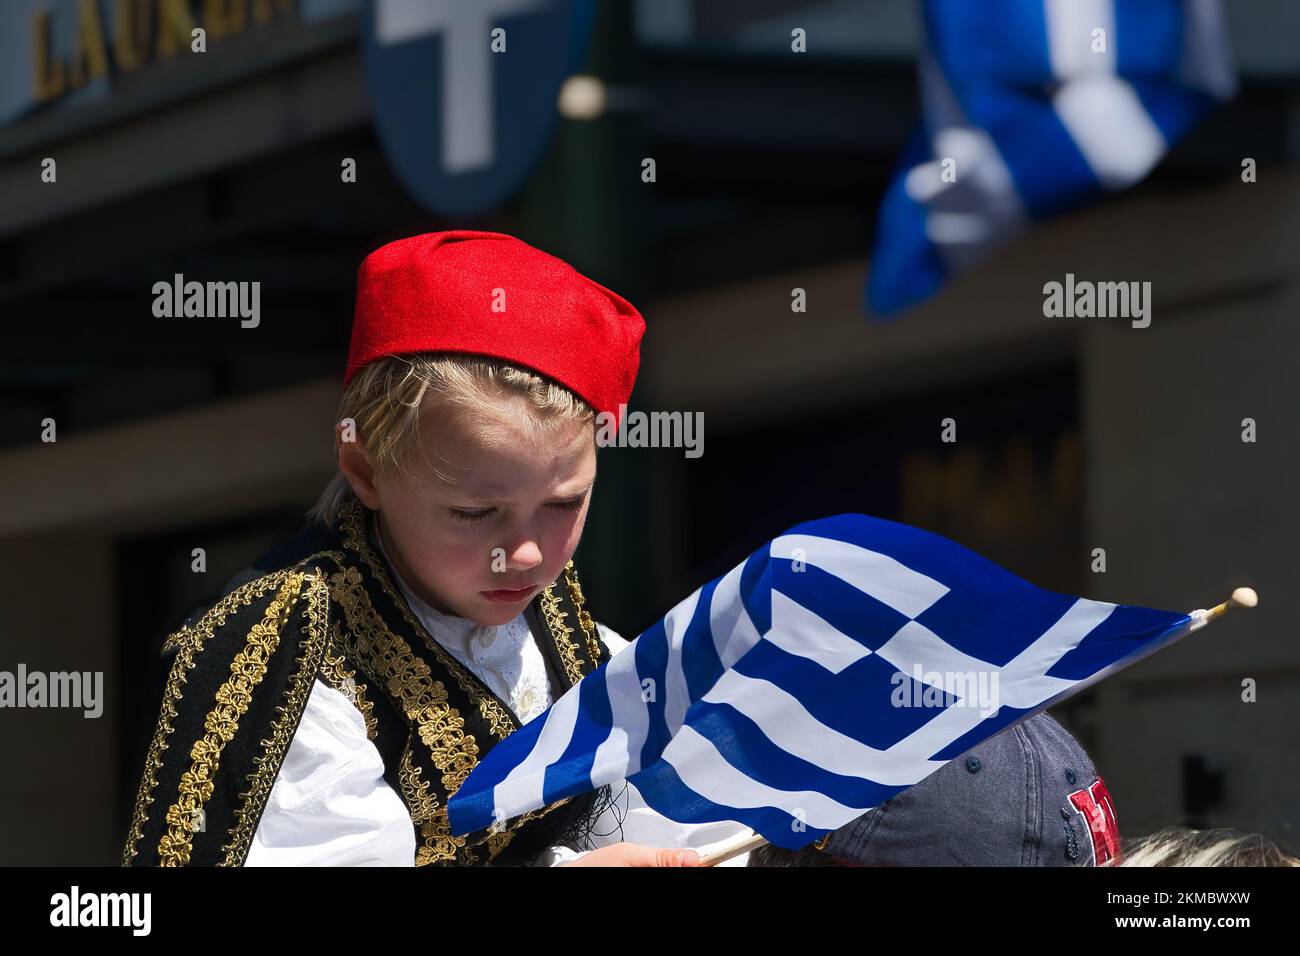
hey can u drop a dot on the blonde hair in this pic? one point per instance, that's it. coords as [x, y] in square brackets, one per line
[388, 396]
[1179, 846]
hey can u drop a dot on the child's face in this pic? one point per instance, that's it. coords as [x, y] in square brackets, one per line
[510, 517]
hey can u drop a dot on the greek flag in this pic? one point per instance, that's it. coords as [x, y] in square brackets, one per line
[1032, 107]
[839, 664]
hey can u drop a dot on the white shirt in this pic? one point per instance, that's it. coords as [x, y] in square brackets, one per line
[331, 806]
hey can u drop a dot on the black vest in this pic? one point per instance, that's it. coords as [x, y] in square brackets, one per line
[324, 606]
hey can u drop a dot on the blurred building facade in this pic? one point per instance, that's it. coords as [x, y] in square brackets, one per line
[1072, 435]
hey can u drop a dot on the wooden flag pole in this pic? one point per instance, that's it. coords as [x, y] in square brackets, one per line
[734, 847]
[1241, 597]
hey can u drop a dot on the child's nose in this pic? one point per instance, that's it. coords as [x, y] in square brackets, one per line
[528, 554]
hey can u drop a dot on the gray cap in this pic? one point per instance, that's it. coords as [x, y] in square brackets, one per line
[1028, 796]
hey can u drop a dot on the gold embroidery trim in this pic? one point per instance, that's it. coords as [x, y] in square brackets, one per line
[176, 639]
[314, 645]
[187, 634]
[344, 680]
[421, 803]
[584, 617]
[497, 842]
[422, 699]
[334, 667]
[338, 557]
[501, 723]
[561, 633]
[232, 698]
[190, 641]
[435, 829]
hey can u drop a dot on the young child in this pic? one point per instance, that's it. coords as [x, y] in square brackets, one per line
[325, 708]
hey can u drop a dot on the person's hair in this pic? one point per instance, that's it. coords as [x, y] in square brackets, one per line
[767, 854]
[1180, 846]
[387, 397]
[1173, 846]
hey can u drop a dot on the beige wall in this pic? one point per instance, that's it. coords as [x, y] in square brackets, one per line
[1187, 511]
[67, 502]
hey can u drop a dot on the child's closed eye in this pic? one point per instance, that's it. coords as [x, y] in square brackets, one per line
[462, 514]
[573, 504]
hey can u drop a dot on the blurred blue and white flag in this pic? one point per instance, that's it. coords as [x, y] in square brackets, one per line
[838, 665]
[1032, 107]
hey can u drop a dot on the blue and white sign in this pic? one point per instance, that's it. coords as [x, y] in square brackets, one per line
[464, 92]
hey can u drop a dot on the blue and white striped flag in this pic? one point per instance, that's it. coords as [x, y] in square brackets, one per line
[841, 663]
[1032, 107]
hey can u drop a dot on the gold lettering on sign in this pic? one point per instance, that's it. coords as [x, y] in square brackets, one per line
[265, 10]
[224, 17]
[174, 27]
[50, 81]
[90, 53]
[131, 34]
[143, 31]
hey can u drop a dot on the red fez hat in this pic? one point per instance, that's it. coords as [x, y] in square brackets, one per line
[486, 293]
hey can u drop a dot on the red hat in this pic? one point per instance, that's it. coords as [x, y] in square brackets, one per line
[437, 293]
